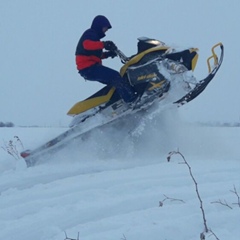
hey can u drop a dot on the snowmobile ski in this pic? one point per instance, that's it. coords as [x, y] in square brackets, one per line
[201, 85]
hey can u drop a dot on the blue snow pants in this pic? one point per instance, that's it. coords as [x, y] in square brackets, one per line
[112, 78]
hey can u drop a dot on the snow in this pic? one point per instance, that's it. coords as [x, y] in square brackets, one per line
[110, 184]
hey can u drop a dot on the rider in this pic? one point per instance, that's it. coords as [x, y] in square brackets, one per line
[89, 55]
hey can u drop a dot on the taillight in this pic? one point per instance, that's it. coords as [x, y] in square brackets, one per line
[25, 154]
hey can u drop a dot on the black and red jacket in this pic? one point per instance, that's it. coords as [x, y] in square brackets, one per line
[90, 49]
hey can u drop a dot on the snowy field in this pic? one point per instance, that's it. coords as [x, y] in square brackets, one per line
[110, 185]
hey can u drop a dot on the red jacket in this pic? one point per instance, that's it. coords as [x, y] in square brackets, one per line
[90, 49]
[84, 61]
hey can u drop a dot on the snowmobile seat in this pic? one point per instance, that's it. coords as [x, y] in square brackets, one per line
[97, 99]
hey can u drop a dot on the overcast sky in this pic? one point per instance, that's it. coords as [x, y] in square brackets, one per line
[39, 80]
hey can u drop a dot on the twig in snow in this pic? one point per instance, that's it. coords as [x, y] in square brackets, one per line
[124, 238]
[203, 237]
[12, 147]
[196, 186]
[213, 234]
[168, 198]
[235, 192]
[67, 238]
[222, 203]
[19, 141]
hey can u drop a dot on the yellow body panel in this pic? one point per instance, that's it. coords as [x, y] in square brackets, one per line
[195, 59]
[139, 56]
[194, 62]
[90, 103]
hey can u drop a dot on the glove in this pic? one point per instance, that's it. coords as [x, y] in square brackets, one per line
[110, 54]
[109, 45]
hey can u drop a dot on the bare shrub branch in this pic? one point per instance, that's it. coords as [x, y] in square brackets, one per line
[213, 234]
[236, 193]
[12, 146]
[19, 141]
[168, 198]
[202, 236]
[124, 238]
[67, 238]
[195, 183]
[222, 203]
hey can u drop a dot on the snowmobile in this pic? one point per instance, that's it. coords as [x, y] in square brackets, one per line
[160, 75]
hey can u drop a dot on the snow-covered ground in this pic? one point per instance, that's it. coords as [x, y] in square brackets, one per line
[110, 184]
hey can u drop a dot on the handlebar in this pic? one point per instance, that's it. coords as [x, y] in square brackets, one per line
[122, 56]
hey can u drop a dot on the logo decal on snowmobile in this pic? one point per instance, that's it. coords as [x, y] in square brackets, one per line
[156, 85]
[150, 76]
